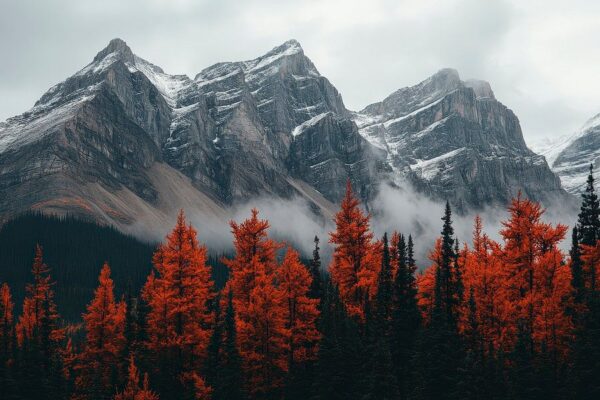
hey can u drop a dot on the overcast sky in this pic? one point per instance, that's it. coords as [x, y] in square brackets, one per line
[542, 58]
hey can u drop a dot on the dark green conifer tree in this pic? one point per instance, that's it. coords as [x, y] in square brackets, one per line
[316, 288]
[226, 379]
[588, 224]
[586, 314]
[440, 350]
[340, 366]
[406, 317]
[381, 380]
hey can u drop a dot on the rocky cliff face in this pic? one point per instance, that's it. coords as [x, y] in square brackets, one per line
[121, 140]
[455, 141]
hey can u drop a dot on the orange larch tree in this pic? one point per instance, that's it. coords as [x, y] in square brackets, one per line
[251, 241]
[426, 282]
[263, 336]
[133, 389]
[6, 324]
[536, 281]
[301, 312]
[104, 320]
[590, 255]
[179, 293]
[356, 258]
[39, 307]
[483, 279]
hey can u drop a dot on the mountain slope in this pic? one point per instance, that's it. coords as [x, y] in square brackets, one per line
[571, 156]
[454, 140]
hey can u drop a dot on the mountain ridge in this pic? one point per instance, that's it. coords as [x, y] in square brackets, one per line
[570, 156]
[111, 139]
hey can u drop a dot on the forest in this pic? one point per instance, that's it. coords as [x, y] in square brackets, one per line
[485, 319]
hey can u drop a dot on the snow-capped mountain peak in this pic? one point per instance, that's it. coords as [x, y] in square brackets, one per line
[448, 135]
[571, 155]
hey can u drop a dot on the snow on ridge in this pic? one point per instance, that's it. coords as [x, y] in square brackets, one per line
[591, 123]
[169, 86]
[429, 169]
[289, 48]
[411, 114]
[552, 148]
[300, 128]
[25, 129]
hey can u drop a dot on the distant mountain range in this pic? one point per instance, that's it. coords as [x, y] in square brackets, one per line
[570, 156]
[122, 141]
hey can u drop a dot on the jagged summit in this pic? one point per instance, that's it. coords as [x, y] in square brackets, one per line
[116, 46]
[453, 137]
[289, 46]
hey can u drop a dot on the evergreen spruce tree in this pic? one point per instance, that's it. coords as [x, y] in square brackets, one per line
[405, 316]
[383, 299]
[226, 379]
[586, 346]
[522, 377]
[339, 367]
[471, 384]
[381, 381]
[588, 224]
[316, 289]
[576, 268]
[440, 352]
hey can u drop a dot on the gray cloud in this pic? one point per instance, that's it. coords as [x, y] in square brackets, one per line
[403, 210]
[540, 56]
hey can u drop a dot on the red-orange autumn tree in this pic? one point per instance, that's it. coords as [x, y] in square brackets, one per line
[356, 258]
[536, 281]
[590, 255]
[179, 320]
[134, 390]
[260, 316]
[426, 282]
[251, 241]
[39, 319]
[97, 367]
[6, 323]
[263, 337]
[301, 312]
[483, 279]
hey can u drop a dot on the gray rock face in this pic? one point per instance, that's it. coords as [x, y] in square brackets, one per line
[327, 149]
[122, 139]
[455, 141]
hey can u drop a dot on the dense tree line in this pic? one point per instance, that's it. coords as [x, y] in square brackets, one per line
[77, 250]
[508, 319]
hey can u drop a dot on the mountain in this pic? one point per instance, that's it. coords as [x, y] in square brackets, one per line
[570, 156]
[452, 139]
[125, 143]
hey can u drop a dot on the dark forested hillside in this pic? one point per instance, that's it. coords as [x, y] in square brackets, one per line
[75, 251]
